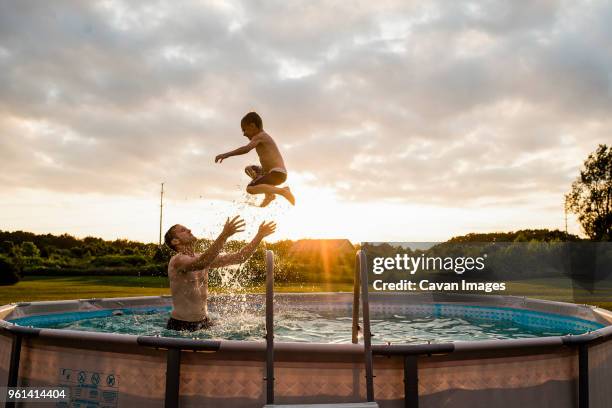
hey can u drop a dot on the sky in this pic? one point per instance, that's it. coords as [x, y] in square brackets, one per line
[397, 120]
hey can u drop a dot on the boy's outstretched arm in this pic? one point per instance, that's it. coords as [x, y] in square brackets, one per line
[237, 152]
[187, 263]
[238, 257]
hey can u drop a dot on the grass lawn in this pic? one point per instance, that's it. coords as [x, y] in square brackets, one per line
[563, 290]
[37, 288]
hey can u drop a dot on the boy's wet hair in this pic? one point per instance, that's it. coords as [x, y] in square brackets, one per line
[252, 117]
[169, 236]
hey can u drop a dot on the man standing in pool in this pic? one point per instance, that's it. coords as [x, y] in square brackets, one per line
[272, 172]
[188, 271]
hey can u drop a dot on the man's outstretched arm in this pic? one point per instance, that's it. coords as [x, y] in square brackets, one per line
[187, 264]
[239, 151]
[238, 257]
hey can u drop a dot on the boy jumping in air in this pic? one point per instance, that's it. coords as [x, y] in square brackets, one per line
[272, 172]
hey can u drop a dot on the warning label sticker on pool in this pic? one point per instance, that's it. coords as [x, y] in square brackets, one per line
[89, 388]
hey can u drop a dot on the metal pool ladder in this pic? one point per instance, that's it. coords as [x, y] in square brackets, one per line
[361, 277]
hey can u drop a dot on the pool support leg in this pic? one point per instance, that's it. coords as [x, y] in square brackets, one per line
[581, 342]
[13, 376]
[173, 377]
[583, 376]
[411, 382]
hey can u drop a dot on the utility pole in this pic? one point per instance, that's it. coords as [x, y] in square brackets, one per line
[565, 209]
[161, 211]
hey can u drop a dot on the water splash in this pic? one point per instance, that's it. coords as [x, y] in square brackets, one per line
[238, 279]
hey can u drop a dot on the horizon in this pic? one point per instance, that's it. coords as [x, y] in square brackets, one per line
[405, 121]
[419, 244]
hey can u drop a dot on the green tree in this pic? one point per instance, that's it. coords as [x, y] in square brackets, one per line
[29, 250]
[591, 195]
[6, 247]
[162, 254]
[9, 272]
[79, 252]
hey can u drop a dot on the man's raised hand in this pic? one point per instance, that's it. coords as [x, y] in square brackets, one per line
[233, 226]
[220, 157]
[267, 228]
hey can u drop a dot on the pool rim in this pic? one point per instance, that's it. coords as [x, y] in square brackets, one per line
[463, 346]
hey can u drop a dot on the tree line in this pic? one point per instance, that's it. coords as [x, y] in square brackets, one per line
[301, 261]
[28, 254]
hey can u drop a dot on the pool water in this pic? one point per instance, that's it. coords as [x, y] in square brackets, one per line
[438, 324]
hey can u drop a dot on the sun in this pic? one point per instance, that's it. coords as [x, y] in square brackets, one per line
[318, 213]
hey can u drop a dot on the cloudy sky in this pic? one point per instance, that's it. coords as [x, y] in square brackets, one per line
[398, 120]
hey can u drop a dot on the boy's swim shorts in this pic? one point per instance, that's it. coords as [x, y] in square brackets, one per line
[274, 177]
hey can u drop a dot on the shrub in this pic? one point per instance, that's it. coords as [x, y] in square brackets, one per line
[120, 260]
[79, 252]
[9, 272]
[162, 254]
[147, 270]
[28, 249]
[6, 247]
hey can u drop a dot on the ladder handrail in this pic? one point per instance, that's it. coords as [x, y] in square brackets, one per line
[356, 281]
[361, 276]
[269, 327]
[362, 262]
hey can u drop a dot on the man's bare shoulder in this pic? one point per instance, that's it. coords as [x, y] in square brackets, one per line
[179, 257]
[178, 261]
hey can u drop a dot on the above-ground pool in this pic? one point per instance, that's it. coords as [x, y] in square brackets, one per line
[243, 318]
[467, 350]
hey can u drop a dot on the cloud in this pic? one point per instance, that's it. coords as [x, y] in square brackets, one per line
[457, 103]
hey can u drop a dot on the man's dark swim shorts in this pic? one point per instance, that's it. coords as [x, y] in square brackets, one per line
[180, 325]
[273, 178]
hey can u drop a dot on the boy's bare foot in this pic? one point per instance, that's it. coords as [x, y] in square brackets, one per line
[267, 200]
[288, 195]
